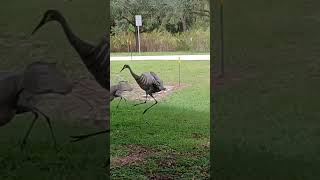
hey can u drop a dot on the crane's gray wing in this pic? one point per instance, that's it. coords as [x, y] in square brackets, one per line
[99, 62]
[42, 78]
[8, 88]
[146, 79]
[158, 81]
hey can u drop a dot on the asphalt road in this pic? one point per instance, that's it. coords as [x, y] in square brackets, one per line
[167, 58]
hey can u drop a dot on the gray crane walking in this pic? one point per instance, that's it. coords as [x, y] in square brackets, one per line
[96, 58]
[117, 90]
[18, 89]
[149, 82]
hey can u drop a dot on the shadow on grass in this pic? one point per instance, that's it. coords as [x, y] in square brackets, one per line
[249, 163]
[39, 160]
[169, 132]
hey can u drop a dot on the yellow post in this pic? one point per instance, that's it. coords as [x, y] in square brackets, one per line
[221, 39]
[130, 49]
[179, 61]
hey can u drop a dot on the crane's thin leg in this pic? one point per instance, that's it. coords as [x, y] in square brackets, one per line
[81, 137]
[50, 126]
[143, 102]
[119, 102]
[151, 105]
[125, 100]
[24, 141]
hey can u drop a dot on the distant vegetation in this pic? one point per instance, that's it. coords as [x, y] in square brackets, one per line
[169, 25]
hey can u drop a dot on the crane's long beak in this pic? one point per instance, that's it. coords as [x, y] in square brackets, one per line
[122, 69]
[42, 22]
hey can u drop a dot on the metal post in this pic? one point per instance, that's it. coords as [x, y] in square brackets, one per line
[130, 49]
[179, 61]
[222, 39]
[139, 39]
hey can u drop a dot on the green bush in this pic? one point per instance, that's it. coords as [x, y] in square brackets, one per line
[157, 41]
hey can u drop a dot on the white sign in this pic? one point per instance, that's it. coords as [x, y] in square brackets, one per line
[138, 20]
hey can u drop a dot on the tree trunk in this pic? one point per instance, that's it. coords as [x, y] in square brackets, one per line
[184, 23]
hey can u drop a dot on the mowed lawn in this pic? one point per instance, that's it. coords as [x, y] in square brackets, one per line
[171, 139]
[82, 160]
[267, 106]
[157, 53]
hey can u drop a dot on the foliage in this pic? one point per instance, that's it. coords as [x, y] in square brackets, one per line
[194, 41]
[170, 15]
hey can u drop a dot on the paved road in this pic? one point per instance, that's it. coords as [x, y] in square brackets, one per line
[168, 58]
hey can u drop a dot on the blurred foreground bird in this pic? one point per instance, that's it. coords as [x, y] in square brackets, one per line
[96, 58]
[117, 90]
[18, 90]
[149, 82]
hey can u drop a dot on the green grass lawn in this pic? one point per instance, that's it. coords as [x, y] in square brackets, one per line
[166, 132]
[157, 53]
[267, 106]
[83, 160]
[39, 159]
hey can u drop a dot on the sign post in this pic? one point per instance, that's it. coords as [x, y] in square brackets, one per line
[179, 61]
[222, 38]
[138, 24]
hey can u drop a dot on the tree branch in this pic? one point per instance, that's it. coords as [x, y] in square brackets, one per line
[199, 13]
[129, 21]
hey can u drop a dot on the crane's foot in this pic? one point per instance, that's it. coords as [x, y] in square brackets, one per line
[140, 103]
[77, 138]
[23, 145]
[56, 148]
[81, 137]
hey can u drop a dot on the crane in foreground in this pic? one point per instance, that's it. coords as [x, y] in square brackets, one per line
[18, 90]
[95, 57]
[149, 82]
[117, 90]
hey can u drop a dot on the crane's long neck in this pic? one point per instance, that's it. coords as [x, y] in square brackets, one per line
[79, 45]
[135, 76]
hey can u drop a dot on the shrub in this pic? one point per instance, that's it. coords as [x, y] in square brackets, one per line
[195, 41]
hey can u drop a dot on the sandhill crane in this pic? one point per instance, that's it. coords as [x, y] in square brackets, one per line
[96, 58]
[149, 82]
[17, 90]
[117, 90]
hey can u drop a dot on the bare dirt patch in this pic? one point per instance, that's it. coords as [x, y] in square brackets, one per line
[197, 136]
[167, 160]
[137, 154]
[87, 105]
[161, 176]
[137, 94]
[88, 102]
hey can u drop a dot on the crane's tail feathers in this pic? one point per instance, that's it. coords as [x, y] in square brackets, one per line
[83, 99]
[83, 85]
